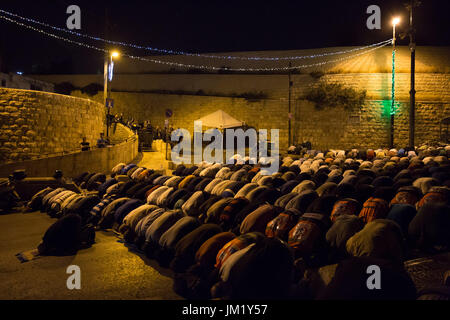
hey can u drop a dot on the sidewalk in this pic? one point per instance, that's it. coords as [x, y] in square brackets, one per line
[108, 269]
[154, 160]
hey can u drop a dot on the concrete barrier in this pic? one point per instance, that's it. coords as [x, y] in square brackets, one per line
[73, 164]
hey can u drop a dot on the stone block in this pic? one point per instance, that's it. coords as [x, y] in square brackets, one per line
[14, 156]
[7, 132]
[10, 144]
[15, 103]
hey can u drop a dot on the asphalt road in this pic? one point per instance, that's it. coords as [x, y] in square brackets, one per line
[108, 269]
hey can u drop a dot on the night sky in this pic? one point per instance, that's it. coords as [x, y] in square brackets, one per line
[206, 26]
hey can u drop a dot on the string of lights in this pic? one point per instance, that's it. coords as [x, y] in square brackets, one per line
[175, 52]
[202, 67]
[193, 66]
[393, 109]
[51, 34]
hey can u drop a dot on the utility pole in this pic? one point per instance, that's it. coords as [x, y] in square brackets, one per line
[412, 91]
[105, 79]
[105, 74]
[289, 106]
[105, 93]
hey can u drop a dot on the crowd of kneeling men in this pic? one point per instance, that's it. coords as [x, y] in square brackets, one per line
[230, 231]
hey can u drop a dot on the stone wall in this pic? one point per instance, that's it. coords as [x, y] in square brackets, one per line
[119, 133]
[16, 81]
[75, 163]
[338, 128]
[333, 128]
[261, 114]
[138, 76]
[370, 125]
[133, 85]
[37, 124]
[429, 86]
[367, 127]
[214, 84]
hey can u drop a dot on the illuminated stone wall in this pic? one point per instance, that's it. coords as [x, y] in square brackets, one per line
[429, 86]
[261, 114]
[134, 92]
[36, 124]
[328, 128]
[368, 127]
[16, 81]
[72, 164]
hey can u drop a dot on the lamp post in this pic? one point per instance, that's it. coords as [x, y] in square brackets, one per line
[289, 106]
[395, 21]
[107, 77]
[412, 92]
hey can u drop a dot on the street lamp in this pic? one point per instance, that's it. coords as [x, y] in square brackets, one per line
[395, 21]
[107, 77]
[114, 54]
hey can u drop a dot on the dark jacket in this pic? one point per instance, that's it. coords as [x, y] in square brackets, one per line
[430, 227]
[62, 237]
[188, 245]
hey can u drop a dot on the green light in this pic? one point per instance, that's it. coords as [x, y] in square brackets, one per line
[386, 107]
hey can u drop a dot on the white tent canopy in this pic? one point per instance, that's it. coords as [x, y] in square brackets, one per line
[221, 120]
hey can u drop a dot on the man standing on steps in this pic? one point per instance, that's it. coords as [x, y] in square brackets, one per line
[102, 143]
[149, 130]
